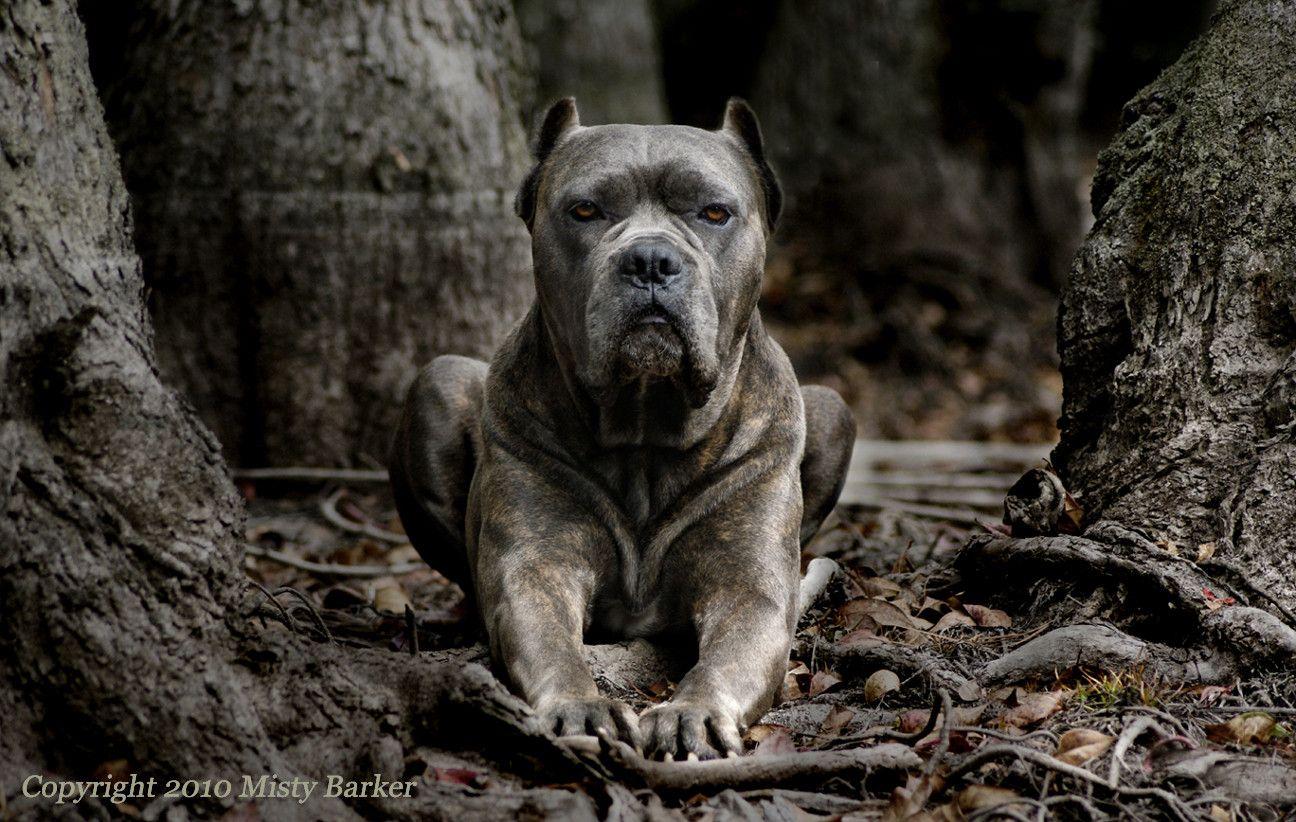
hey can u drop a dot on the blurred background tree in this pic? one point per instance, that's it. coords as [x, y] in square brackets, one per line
[322, 192]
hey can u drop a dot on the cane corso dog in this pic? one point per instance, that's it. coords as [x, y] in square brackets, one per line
[638, 458]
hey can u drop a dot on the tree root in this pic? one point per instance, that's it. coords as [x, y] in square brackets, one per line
[1103, 647]
[806, 770]
[1174, 594]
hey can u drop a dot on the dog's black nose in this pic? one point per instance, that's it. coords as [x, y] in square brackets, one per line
[653, 262]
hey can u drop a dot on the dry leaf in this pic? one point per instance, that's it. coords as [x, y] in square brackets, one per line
[912, 721]
[1205, 551]
[822, 681]
[391, 599]
[839, 717]
[1219, 813]
[1248, 729]
[879, 610]
[879, 684]
[952, 619]
[1169, 546]
[979, 797]
[860, 637]
[1033, 708]
[988, 617]
[1079, 745]
[777, 741]
[792, 682]
[879, 587]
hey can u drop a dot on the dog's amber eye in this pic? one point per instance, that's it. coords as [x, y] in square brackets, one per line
[717, 214]
[585, 211]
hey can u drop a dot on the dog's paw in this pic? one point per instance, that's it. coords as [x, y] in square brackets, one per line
[589, 716]
[685, 730]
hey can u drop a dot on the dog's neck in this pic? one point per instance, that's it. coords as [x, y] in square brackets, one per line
[647, 412]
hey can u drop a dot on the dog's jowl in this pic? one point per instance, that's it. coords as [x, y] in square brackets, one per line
[638, 458]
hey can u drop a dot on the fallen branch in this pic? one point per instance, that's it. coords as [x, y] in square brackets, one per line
[304, 474]
[991, 752]
[328, 508]
[329, 569]
[811, 768]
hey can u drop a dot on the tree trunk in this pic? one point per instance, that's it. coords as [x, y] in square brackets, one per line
[1178, 346]
[1178, 326]
[324, 203]
[125, 610]
[603, 54]
[932, 160]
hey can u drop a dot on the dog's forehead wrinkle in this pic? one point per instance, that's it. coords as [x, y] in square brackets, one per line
[647, 160]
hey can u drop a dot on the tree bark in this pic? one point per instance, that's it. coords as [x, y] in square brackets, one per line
[932, 159]
[604, 54]
[127, 631]
[1178, 326]
[324, 203]
[1178, 346]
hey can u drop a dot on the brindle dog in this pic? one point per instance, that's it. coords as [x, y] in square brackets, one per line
[638, 458]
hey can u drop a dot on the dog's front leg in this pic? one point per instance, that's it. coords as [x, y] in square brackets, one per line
[741, 593]
[535, 588]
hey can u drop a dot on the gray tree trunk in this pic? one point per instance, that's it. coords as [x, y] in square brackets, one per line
[932, 159]
[324, 203]
[1178, 326]
[125, 611]
[605, 54]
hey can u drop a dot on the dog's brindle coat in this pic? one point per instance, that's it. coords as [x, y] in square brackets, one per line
[638, 458]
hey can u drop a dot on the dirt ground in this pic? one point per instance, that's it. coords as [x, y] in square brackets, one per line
[884, 658]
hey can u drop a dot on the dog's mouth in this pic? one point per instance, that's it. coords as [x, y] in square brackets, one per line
[653, 315]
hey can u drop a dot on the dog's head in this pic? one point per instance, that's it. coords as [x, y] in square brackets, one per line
[649, 245]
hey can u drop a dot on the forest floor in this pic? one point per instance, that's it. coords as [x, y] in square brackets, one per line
[885, 657]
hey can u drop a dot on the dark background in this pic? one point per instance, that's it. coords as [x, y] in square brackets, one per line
[936, 158]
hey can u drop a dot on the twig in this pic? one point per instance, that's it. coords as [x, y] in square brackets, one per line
[288, 620]
[1127, 738]
[328, 507]
[329, 569]
[411, 626]
[983, 755]
[302, 474]
[308, 605]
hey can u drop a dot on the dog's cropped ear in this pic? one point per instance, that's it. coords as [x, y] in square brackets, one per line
[561, 118]
[741, 122]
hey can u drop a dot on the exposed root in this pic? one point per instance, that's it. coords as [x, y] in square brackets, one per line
[809, 769]
[1171, 592]
[1103, 647]
[862, 657]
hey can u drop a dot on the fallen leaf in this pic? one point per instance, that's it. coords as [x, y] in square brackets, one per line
[879, 684]
[1205, 551]
[879, 587]
[1219, 813]
[455, 776]
[839, 717]
[879, 610]
[777, 741]
[911, 722]
[1079, 745]
[1251, 728]
[1169, 546]
[951, 620]
[860, 637]
[980, 797]
[822, 681]
[988, 617]
[1033, 708]
[391, 599]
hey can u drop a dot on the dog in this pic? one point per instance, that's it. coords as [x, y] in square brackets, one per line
[638, 458]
